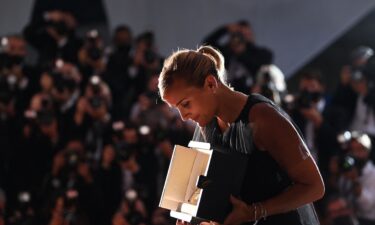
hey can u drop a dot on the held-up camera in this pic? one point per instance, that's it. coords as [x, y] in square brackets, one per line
[133, 216]
[93, 50]
[45, 115]
[96, 101]
[307, 98]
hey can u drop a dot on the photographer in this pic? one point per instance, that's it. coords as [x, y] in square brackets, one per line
[24, 212]
[18, 82]
[53, 36]
[355, 96]
[108, 178]
[146, 61]
[134, 146]
[21, 77]
[243, 57]
[42, 133]
[71, 171]
[358, 175]
[146, 109]
[313, 118]
[146, 56]
[92, 118]
[132, 210]
[120, 75]
[270, 83]
[61, 83]
[91, 57]
[66, 210]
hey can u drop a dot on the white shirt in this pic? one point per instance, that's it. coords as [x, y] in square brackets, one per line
[365, 203]
[364, 119]
[310, 131]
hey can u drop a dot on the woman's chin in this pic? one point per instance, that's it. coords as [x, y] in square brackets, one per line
[200, 123]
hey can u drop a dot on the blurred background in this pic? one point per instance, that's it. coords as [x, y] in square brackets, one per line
[85, 138]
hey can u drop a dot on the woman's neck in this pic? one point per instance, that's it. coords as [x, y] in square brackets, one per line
[230, 107]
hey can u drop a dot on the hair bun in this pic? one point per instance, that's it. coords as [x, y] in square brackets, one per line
[215, 56]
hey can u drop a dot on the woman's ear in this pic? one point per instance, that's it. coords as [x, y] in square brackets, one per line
[211, 82]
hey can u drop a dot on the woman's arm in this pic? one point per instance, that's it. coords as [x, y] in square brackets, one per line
[275, 134]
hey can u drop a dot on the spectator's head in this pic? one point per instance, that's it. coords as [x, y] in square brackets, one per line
[359, 148]
[360, 56]
[146, 39]
[98, 94]
[122, 38]
[311, 81]
[237, 43]
[146, 48]
[60, 23]
[92, 50]
[108, 155]
[14, 45]
[356, 143]
[310, 89]
[246, 30]
[12, 51]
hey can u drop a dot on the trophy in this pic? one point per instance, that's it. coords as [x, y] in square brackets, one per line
[200, 181]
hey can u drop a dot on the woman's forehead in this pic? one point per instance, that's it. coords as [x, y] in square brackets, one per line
[177, 92]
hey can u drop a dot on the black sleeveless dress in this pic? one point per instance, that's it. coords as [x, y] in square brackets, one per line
[264, 178]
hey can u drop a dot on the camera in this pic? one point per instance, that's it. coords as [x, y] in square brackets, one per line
[45, 115]
[124, 150]
[96, 101]
[72, 158]
[61, 82]
[356, 75]
[93, 50]
[307, 98]
[94, 53]
[346, 163]
[133, 216]
[237, 38]
[23, 213]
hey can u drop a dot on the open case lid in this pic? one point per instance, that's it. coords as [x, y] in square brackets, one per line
[185, 167]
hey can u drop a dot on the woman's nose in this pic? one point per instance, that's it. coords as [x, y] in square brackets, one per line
[184, 115]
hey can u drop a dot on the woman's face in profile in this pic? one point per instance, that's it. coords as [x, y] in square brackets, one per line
[194, 103]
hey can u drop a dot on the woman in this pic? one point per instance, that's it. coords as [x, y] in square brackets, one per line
[281, 175]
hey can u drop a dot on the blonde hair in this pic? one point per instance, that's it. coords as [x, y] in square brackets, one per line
[192, 66]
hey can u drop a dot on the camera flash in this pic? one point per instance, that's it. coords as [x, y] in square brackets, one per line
[59, 63]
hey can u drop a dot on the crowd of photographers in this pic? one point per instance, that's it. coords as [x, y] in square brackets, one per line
[85, 138]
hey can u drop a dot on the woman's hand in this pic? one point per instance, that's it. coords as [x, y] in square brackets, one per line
[240, 212]
[181, 222]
